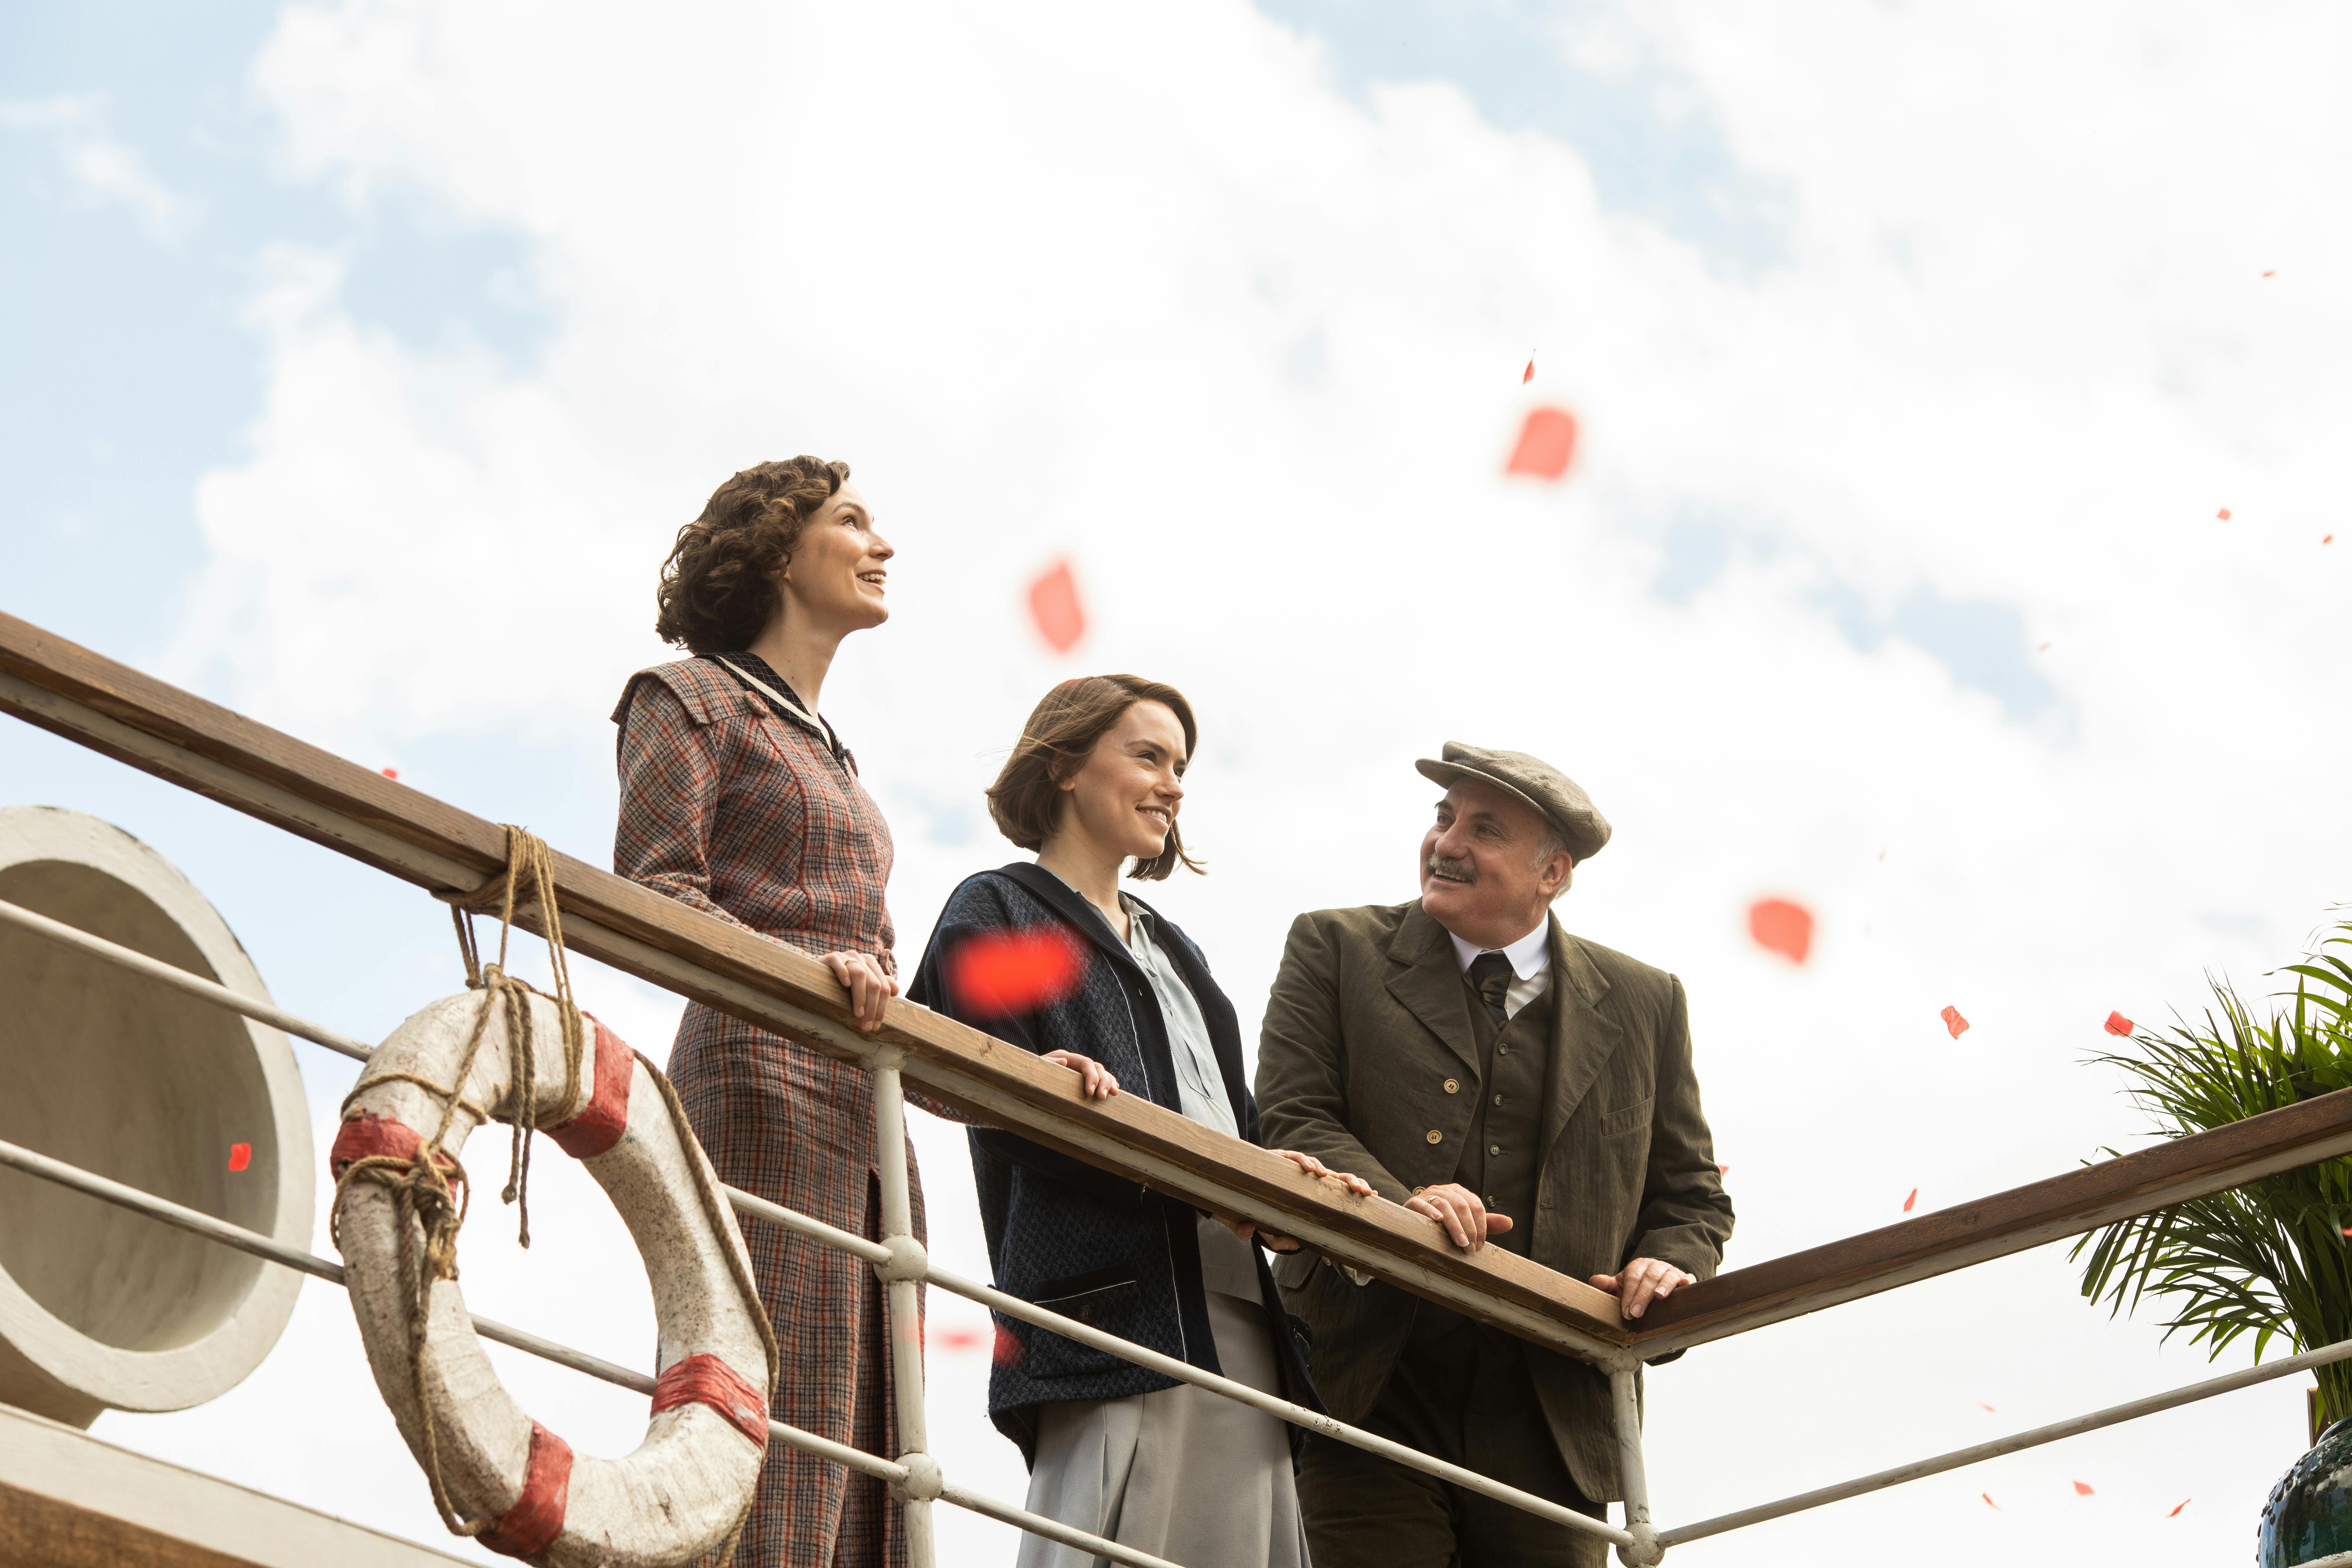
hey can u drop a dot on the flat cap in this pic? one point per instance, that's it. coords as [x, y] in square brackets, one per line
[1531, 779]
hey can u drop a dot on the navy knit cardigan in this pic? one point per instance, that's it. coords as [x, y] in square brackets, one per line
[1072, 1238]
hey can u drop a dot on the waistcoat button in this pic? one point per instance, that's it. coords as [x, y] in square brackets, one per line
[1451, 1087]
[1435, 1136]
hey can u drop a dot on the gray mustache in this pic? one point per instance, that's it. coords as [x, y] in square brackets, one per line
[1458, 869]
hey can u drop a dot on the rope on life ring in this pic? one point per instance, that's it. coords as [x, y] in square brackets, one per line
[401, 1198]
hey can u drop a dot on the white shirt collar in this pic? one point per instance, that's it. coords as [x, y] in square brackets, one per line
[1529, 956]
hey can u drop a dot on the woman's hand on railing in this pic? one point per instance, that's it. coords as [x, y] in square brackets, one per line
[869, 988]
[1315, 1167]
[1095, 1080]
[1275, 1240]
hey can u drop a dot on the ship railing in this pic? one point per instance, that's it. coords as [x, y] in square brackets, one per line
[174, 735]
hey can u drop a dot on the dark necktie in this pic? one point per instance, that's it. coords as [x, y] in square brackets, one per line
[1490, 976]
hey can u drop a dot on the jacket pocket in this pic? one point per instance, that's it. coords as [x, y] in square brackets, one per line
[1617, 1123]
[1108, 1299]
[1051, 1294]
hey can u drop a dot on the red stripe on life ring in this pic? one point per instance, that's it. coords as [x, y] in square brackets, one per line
[370, 1136]
[537, 1518]
[707, 1379]
[605, 1117]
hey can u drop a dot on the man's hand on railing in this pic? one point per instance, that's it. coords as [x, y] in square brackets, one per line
[1640, 1281]
[1457, 1208]
[1275, 1240]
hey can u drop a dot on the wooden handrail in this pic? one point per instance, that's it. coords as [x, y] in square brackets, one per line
[2135, 1184]
[71, 691]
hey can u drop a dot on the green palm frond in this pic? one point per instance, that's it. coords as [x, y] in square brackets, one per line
[2269, 1259]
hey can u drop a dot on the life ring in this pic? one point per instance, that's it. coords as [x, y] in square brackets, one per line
[498, 1474]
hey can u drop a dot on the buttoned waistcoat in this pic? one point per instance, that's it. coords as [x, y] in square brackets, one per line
[1369, 1059]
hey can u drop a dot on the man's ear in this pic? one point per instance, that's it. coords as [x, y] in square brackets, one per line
[1556, 873]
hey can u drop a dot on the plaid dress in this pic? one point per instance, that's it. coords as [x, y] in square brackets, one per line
[751, 810]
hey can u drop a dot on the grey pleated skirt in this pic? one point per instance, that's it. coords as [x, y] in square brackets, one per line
[1180, 1472]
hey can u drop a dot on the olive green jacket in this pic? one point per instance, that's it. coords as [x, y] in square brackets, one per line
[1368, 1061]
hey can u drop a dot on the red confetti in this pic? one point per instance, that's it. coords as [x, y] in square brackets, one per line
[1988, 1503]
[2184, 1502]
[959, 1339]
[1781, 927]
[1053, 605]
[2223, 514]
[2326, 539]
[1909, 1201]
[2118, 1025]
[1547, 441]
[1954, 1022]
[2272, 273]
[1530, 375]
[2082, 1489]
[1008, 1349]
[1723, 1170]
[1001, 973]
[390, 773]
[1982, 1405]
[240, 1155]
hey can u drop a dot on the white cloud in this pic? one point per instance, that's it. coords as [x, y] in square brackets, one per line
[106, 170]
[1044, 276]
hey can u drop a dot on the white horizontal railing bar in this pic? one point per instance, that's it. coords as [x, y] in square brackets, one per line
[34, 1164]
[2113, 1415]
[180, 979]
[1297, 1415]
[816, 1230]
[1052, 1530]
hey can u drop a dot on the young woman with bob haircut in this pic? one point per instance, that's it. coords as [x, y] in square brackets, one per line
[737, 797]
[1094, 784]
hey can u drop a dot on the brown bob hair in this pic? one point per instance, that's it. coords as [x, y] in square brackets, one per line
[718, 586]
[1026, 798]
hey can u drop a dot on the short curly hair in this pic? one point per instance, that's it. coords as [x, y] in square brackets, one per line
[718, 586]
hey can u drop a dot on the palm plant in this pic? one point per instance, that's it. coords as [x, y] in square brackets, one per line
[2271, 1258]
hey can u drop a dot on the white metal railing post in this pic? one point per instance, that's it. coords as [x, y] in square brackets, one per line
[901, 1281]
[1633, 1476]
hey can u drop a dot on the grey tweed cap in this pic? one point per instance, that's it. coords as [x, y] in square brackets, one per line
[1531, 779]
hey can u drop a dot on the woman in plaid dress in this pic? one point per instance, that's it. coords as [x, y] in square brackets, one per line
[738, 798]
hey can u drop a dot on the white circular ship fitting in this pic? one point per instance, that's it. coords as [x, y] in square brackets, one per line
[101, 1307]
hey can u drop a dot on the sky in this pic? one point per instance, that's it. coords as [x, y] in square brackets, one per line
[358, 364]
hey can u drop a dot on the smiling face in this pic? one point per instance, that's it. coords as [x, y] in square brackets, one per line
[836, 577]
[1124, 798]
[1482, 875]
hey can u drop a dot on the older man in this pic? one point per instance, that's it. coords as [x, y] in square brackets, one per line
[1526, 1088]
